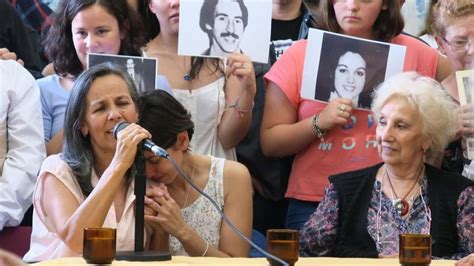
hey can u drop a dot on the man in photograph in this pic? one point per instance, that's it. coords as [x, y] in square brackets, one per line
[137, 78]
[224, 22]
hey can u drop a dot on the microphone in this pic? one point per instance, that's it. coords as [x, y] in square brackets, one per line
[146, 144]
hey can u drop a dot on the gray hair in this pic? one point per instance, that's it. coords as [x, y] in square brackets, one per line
[77, 149]
[437, 110]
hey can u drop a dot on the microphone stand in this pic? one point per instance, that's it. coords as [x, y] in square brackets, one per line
[140, 186]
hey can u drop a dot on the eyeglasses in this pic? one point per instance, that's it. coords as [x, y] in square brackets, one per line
[458, 46]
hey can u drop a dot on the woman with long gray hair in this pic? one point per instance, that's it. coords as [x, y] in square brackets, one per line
[89, 184]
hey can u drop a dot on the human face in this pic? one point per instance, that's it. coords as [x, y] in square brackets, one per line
[94, 30]
[130, 66]
[399, 135]
[349, 76]
[228, 27]
[357, 17]
[167, 13]
[459, 32]
[107, 103]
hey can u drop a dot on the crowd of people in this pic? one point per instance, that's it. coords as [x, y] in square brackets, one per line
[389, 162]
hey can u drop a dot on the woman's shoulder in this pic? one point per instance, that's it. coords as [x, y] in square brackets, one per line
[54, 164]
[413, 43]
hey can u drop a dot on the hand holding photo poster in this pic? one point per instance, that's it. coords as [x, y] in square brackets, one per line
[340, 66]
[217, 28]
[142, 70]
[465, 82]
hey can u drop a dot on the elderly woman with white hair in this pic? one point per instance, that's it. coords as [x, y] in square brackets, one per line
[364, 211]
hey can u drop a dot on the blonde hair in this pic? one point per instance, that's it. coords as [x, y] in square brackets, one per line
[437, 110]
[447, 11]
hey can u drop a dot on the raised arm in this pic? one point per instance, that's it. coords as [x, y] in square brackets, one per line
[240, 89]
[282, 134]
[66, 216]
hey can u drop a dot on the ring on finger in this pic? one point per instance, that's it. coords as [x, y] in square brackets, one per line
[343, 107]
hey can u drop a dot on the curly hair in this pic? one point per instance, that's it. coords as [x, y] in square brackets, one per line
[388, 24]
[447, 11]
[59, 46]
[433, 104]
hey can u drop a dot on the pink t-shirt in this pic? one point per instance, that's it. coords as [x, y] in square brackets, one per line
[344, 148]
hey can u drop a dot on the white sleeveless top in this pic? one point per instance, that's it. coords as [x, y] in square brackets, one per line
[46, 244]
[201, 215]
[206, 105]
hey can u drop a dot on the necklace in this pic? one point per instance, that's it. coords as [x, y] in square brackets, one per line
[186, 75]
[401, 205]
[189, 186]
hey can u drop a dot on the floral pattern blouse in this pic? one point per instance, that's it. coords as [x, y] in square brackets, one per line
[318, 236]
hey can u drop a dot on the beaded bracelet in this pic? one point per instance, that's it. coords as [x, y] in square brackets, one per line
[240, 112]
[205, 251]
[316, 128]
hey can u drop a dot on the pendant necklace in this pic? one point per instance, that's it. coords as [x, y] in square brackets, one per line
[186, 75]
[400, 204]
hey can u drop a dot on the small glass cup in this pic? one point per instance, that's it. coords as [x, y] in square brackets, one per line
[415, 249]
[99, 245]
[283, 243]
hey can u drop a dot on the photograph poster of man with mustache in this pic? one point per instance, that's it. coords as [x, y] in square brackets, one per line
[227, 26]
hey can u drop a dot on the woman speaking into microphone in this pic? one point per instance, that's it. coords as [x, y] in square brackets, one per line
[89, 184]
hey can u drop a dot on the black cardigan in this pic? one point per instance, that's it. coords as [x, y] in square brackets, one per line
[354, 190]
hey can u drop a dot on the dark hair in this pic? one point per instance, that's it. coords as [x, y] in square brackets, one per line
[388, 24]
[77, 149]
[151, 23]
[336, 46]
[59, 46]
[207, 15]
[164, 117]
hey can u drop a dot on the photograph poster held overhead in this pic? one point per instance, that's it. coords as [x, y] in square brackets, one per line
[142, 70]
[465, 81]
[217, 28]
[347, 67]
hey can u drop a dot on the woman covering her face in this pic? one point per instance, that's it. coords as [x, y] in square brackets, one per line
[184, 222]
[89, 184]
[364, 211]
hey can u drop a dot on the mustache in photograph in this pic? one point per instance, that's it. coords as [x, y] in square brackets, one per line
[227, 34]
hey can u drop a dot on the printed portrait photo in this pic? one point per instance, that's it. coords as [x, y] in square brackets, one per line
[217, 28]
[142, 70]
[347, 67]
[465, 82]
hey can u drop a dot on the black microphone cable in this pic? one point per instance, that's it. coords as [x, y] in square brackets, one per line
[221, 213]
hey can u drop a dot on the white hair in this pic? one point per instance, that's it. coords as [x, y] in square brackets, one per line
[436, 108]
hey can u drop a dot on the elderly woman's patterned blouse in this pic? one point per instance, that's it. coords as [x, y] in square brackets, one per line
[318, 236]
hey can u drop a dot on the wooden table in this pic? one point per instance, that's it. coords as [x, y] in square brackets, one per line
[184, 261]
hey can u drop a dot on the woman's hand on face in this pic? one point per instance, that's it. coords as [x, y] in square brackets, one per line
[241, 67]
[169, 215]
[127, 144]
[466, 261]
[337, 112]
